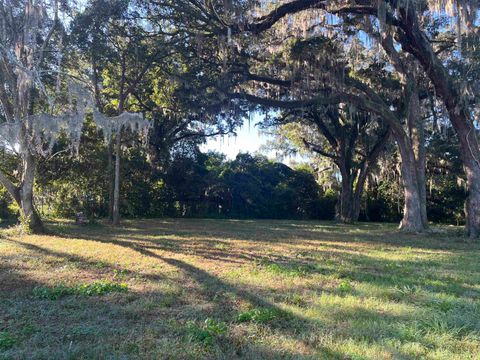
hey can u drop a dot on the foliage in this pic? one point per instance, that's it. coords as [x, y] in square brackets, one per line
[195, 184]
[196, 70]
[345, 287]
[6, 211]
[52, 293]
[247, 187]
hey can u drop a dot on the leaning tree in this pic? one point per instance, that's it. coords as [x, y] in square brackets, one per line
[31, 121]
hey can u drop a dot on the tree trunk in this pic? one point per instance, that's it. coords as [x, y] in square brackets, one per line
[116, 191]
[417, 136]
[345, 212]
[471, 163]
[412, 210]
[111, 180]
[360, 186]
[414, 123]
[118, 149]
[414, 40]
[421, 165]
[24, 197]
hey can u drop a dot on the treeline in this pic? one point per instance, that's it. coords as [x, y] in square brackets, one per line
[189, 183]
[387, 97]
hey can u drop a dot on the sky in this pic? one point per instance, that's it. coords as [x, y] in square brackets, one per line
[248, 139]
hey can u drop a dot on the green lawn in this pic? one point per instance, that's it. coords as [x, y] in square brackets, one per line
[179, 289]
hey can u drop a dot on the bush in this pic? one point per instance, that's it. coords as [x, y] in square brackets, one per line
[8, 209]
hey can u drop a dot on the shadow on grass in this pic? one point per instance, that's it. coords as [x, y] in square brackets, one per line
[209, 287]
[223, 295]
[281, 231]
[358, 267]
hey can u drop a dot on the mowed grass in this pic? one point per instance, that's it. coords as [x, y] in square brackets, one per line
[224, 289]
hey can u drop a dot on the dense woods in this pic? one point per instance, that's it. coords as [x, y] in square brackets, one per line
[104, 106]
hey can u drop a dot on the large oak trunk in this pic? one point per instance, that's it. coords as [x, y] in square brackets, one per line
[417, 136]
[345, 211]
[24, 198]
[471, 163]
[359, 188]
[415, 41]
[348, 210]
[412, 210]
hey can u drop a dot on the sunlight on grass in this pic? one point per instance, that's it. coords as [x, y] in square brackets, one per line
[228, 289]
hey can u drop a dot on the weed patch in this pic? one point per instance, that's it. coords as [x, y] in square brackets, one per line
[345, 287]
[53, 293]
[94, 289]
[207, 332]
[6, 340]
[293, 270]
[259, 315]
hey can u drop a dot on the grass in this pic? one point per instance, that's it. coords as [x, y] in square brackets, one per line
[208, 332]
[260, 316]
[94, 289]
[6, 341]
[224, 289]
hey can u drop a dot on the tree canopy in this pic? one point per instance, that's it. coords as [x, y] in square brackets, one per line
[370, 92]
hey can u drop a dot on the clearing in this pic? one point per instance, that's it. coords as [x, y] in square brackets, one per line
[179, 289]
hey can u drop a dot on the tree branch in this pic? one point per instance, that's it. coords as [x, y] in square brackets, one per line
[266, 22]
[317, 149]
[10, 186]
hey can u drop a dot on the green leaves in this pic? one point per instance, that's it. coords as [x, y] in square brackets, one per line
[53, 293]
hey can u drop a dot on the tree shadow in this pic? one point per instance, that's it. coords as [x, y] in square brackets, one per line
[12, 280]
[224, 295]
[367, 268]
[281, 231]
